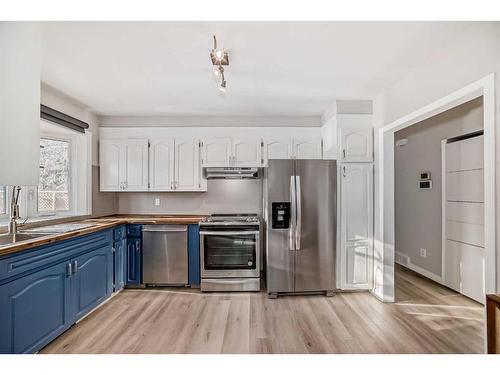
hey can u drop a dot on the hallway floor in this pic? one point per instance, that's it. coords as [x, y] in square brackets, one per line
[427, 318]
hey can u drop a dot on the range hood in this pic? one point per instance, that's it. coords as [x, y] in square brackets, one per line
[230, 173]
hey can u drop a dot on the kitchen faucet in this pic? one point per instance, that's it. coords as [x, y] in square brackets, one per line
[14, 209]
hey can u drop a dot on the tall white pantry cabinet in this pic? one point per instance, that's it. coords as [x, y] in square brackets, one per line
[355, 202]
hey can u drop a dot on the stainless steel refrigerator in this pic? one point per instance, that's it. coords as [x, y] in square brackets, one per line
[300, 200]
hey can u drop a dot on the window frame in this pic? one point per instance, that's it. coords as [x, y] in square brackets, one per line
[5, 216]
[34, 212]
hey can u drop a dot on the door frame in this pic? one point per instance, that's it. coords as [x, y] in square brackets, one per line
[385, 233]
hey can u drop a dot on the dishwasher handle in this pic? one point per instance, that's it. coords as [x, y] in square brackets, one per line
[164, 228]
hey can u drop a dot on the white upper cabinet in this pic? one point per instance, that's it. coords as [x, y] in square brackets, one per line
[124, 164]
[307, 148]
[217, 152]
[356, 225]
[136, 164]
[161, 164]
[187, 166]
[247, 153]
[356, 144]
[110, 164]
[277, 148]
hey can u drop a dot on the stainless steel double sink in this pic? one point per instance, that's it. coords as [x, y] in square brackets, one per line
[34, 233]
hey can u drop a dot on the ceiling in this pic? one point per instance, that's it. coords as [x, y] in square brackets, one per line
[276, 68]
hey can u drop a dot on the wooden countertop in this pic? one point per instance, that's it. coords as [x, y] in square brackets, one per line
[102, 223]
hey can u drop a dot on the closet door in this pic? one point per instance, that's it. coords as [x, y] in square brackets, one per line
[136, 164]
[161, 165]
[356, 233]
[463, 217]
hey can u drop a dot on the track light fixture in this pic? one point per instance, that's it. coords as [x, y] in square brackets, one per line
[219, 58]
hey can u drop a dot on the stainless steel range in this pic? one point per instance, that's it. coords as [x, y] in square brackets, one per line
[230, 252]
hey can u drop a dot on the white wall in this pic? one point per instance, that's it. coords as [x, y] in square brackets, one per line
[418, 212]
[19, 103]
[223, 196]
[63, 103]
[472, 56]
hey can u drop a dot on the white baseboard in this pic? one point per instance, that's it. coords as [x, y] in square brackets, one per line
[417, 269]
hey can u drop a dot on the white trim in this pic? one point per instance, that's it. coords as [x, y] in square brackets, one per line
[443, 209]
[385, 235]
[420, 270]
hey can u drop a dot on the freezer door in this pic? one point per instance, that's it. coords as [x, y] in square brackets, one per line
[280, 259]
[316, 225]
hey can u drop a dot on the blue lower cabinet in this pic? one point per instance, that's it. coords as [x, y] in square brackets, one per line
[92, 280]
[51, 292]
[134, 261]
[35, 309]
[194, 254]
[119, 264]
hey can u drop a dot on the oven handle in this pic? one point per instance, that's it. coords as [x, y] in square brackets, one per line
[229, 233]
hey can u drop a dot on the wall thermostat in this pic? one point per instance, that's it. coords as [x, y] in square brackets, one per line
[425, 175]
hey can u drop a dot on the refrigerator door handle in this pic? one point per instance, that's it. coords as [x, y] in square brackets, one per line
[298, 208]
[293, 209]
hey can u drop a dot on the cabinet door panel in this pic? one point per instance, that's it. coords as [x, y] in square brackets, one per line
[357, 201]
[134, 265]
[161, 165]
[187, 165]
[34, 310]
[277, 148]
[356, 144]
[92, 281]
[307, 148]
[136, 164]
[119, 264]
[358, 265]
[110, 164]
[217, 152]
[356, 223]
[247, 153]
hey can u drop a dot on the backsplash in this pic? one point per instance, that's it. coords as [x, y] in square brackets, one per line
[223, 196]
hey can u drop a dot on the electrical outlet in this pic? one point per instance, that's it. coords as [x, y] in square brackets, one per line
[157, 201]
[423, 253]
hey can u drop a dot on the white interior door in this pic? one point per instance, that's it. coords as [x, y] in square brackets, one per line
[136, 164]
[110, 163]
[161, 165]
[217, 152]
[356, 144]
[307, 148]
[187, 165]
[463, 217]
[356, 233]
[247, 152]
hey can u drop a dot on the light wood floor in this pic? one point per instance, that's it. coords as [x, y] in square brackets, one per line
[427, 318]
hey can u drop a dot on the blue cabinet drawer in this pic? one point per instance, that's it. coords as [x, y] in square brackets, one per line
[30, 260]
[119, 233]
[133, 230]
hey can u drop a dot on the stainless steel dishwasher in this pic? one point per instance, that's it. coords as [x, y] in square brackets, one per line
[165, 254]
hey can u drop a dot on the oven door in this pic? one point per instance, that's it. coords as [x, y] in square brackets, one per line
[230, 253]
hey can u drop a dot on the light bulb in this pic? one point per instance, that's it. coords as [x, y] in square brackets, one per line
[219, 54]
[216, 72]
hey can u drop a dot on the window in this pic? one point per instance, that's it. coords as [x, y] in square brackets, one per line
[3, 200]
[54, 184]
